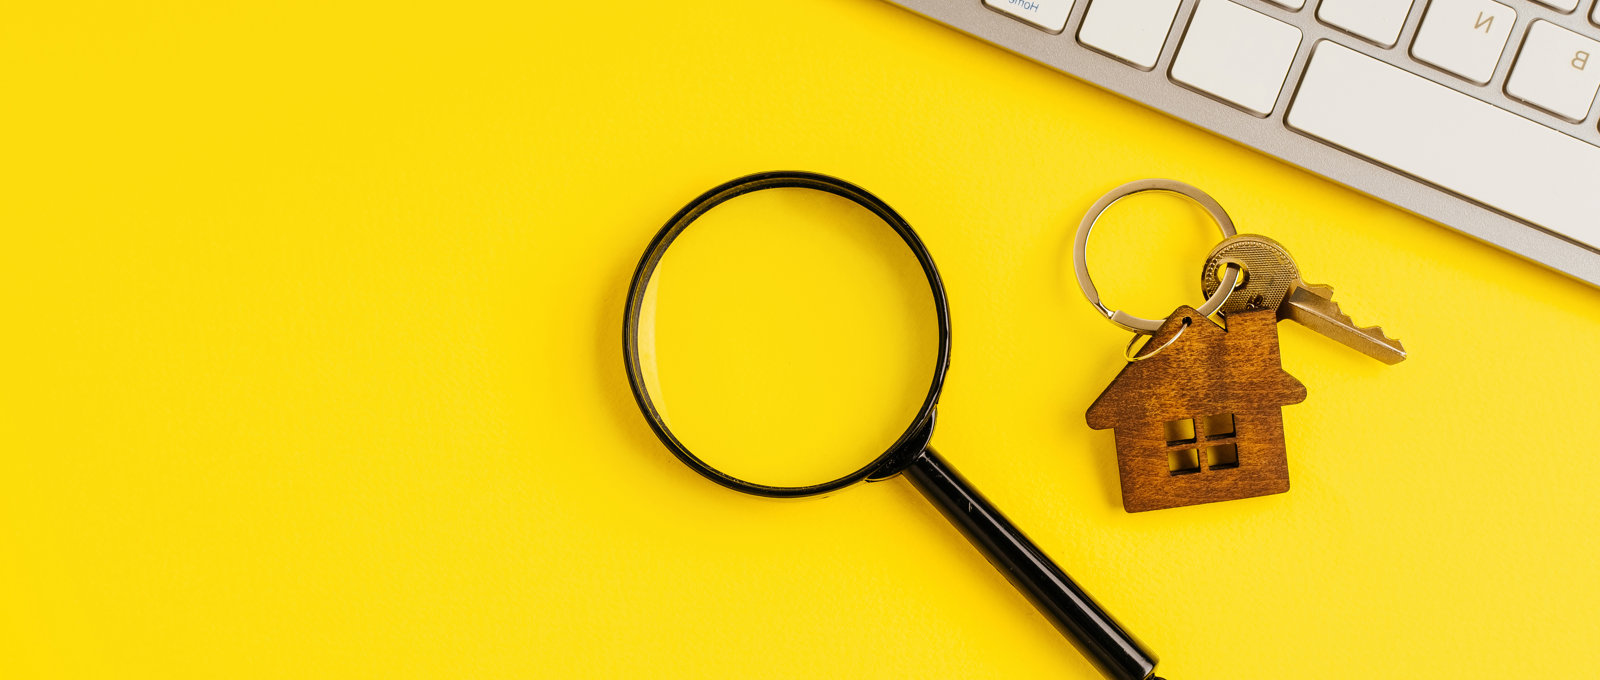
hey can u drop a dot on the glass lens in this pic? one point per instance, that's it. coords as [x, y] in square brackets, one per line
[788, 337]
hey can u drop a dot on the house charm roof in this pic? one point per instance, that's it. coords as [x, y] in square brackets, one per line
[1200, 420]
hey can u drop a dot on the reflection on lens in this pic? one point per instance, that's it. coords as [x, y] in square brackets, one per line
[788, 337]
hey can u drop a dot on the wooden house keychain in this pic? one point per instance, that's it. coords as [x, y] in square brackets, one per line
[1197, 412]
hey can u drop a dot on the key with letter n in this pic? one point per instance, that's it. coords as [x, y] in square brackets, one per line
[1464, 37]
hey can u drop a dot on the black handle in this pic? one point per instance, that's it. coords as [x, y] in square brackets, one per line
[1089, 627]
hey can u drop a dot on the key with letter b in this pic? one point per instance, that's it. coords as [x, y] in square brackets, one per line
[1272, 281]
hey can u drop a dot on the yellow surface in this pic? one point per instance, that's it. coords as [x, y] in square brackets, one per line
[312, 365]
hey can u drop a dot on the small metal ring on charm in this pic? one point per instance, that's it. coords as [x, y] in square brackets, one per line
[1080, 249]
[1133, 356]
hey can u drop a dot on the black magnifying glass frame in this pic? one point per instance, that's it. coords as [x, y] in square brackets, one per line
[1099, 637]
[916, 436]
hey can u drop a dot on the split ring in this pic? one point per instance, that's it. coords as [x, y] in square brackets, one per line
[1133, 355]
[1080, 247]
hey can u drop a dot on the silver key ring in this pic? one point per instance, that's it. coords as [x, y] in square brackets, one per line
[1081, 245]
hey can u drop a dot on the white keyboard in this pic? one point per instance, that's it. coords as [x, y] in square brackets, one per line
[1478, 114]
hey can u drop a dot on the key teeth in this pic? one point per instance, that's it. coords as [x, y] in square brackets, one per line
[1369, 331]
[1319, 290]
[1377, 332]
[1343, 318]
[1326, 293]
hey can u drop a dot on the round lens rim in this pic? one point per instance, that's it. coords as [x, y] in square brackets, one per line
[916, 434]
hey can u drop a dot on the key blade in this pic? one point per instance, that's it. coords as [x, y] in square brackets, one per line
[1309, 306]
[1321, 291]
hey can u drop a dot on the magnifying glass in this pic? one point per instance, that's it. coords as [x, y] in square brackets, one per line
[788, 337]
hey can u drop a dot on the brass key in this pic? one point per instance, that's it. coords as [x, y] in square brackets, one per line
[1272, 281]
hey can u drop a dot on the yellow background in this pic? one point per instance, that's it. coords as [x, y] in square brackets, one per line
[312, 368]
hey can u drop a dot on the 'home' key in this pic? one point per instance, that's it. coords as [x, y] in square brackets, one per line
[1272, 281]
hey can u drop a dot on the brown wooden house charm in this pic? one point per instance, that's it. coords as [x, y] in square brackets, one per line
[1200, 419]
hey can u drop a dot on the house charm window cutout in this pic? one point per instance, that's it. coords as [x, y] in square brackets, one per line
[1189, 437]
[1202, 420]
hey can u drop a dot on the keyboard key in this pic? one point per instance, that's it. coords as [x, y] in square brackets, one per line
[1235, 53]
[1291, 4]
[1449, 139]
[1563, 5]
[1553, 71]
[1050, 15]
[1376, 20]
[1131, 30]
[1464, 37]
